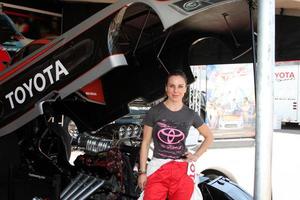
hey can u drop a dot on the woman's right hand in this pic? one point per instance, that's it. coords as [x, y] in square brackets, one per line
[142, 181]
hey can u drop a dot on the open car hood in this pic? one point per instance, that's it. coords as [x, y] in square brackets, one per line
[129, 46]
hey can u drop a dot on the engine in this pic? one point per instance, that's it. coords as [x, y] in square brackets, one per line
[109, 156]
[89, 165]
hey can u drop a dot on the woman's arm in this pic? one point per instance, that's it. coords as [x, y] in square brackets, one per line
[147, 136]
[208, 140]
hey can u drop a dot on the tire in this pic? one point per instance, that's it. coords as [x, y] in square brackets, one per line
[213, 174]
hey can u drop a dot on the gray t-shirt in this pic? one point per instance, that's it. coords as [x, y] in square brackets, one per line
[170, 129]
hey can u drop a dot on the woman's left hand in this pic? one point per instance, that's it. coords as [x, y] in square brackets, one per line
[191, 157]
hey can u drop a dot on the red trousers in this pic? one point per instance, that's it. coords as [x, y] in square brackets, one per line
[169, 181]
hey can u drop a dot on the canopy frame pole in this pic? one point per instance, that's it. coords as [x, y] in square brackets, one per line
[264, 107]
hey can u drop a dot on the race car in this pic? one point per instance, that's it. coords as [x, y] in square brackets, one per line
[129, 48]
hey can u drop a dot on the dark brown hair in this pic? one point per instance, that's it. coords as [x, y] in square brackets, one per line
[176, 73]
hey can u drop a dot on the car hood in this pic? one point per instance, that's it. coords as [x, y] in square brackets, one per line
[131, 46]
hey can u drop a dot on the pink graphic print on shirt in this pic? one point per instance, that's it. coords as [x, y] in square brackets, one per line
[169, 135]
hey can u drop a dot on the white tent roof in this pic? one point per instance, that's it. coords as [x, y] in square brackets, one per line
[291, 4]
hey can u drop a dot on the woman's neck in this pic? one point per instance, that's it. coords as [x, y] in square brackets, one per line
[173, 105]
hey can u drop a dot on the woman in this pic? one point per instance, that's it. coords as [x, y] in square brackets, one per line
[168, 124]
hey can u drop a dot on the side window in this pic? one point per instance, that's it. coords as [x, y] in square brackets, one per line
[25, 52]
[18, 56]
[31, 48]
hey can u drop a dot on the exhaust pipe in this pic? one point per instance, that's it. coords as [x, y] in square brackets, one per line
[81, 187]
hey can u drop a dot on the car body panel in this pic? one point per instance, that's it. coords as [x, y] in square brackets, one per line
[82, 55]
[4, 58]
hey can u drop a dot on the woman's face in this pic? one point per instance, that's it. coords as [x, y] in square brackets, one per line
[176, 88]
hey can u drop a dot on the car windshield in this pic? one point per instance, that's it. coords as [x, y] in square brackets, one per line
[7, 28]
[5, 23]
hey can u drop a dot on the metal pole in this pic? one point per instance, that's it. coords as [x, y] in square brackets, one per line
[264, 82]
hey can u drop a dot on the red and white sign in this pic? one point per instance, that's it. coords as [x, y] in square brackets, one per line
[286, 91]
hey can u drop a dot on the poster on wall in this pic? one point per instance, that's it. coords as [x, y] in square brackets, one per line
[230, 96]
[230, 99]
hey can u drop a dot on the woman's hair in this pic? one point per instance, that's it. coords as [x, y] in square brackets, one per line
[176, 73]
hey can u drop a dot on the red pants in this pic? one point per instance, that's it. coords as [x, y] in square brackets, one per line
[169, 181]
